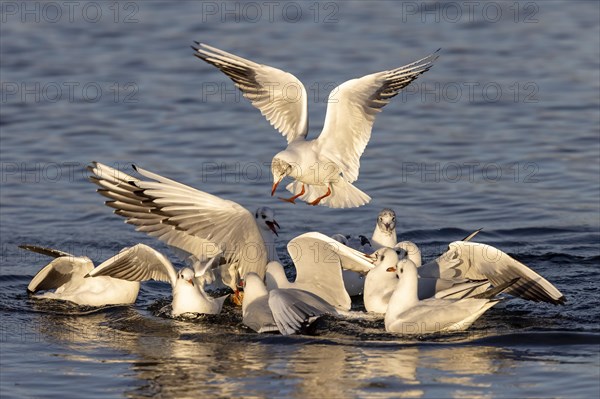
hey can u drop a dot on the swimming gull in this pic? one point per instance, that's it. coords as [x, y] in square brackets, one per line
[65, 275]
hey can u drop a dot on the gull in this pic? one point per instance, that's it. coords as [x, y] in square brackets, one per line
[286, 310]
[407, 314]
[357, 265]
[380, 284]
[475, 261]
[384, 235]
[385, 230]
[65, 275]
[197, 224]
[143, 263]
[318, 270]
[324, 168]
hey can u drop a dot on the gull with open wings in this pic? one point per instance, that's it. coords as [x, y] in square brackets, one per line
[324, 168]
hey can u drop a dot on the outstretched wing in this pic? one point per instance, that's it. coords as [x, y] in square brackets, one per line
[476, 261]
[293, 309]
[196, 222]
[64, 268]
[137, 263]
[351, 111]
[279, 96]
[318, 267]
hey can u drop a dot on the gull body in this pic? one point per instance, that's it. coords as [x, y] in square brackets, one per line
[65, 275]
[324, 168]
[407, 314]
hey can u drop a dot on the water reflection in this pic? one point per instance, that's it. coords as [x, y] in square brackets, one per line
[216, 357]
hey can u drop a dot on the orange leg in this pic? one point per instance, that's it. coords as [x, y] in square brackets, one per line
[238, 297]
[293, 199]
[327, 194]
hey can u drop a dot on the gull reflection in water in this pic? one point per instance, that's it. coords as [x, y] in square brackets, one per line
[187, 358]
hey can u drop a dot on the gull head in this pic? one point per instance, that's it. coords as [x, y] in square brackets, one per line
[386, 221]
[279, 169]
[265, 219]
[404, 267]
[186, 274]
[385, 256]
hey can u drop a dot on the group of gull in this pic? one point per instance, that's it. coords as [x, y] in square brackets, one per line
[225, 246]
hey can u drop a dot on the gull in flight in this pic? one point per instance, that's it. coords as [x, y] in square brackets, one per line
[65, 275]
[407, 314]
[142, 263]
[324, 168]
[197, 224]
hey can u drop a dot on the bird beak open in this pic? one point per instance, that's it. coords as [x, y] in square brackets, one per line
[275, 185]
[272, 226]
[390, 269]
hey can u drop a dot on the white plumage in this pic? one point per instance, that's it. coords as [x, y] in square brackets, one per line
[197, 224]
[324, 168]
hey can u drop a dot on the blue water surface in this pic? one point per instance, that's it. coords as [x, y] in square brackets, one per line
[502, 134]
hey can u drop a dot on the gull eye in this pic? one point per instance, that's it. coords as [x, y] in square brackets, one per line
[264, 216]
[382, 257]
[402, 270]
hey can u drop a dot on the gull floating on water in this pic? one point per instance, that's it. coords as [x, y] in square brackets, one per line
[198, 224]
[286, 310]
[324, 168]
[380, 284]
[65, 275]
[143, 263]
[409, 315]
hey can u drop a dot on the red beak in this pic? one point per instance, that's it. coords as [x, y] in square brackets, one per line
[272, 226]
[275, 186]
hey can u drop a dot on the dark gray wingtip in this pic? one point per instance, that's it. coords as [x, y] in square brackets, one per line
[492, 292]
[54, 253]
[473, 234]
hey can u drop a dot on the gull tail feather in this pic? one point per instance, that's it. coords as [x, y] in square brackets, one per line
[343, 194]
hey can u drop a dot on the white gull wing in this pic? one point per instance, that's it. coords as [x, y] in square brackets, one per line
[63, 269]
[477, 261]
[350, 258]
[137, 263]
[318, 268]
[351, 111]
[194, 221]
[293, 309]
[435, 315]
[279, 96]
